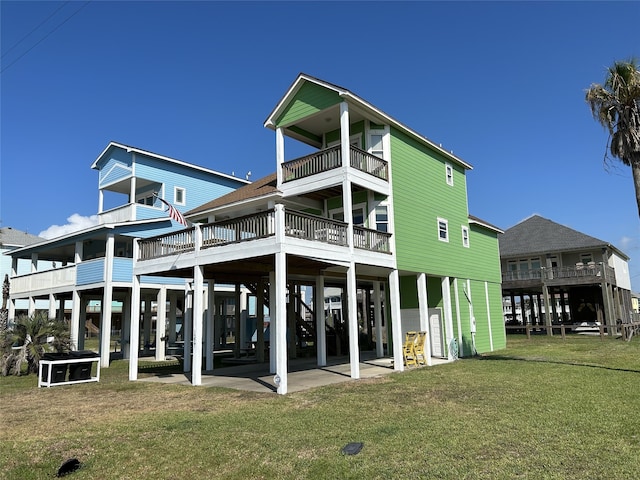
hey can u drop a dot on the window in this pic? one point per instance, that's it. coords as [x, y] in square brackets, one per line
[145, 199]
[382, 218]
[586, 258]
[357, 213]
[449, 174]
[465, 237]
[443, 230]
[179, 196]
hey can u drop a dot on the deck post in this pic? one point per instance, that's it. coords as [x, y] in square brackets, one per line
[396, 320]
[105, 324]
[281, 322]
[423, 307]
[377, 318]
[134, 323]
[198, 286]
[321, 333]
[210, 330]
[161, 322]
[352, 302]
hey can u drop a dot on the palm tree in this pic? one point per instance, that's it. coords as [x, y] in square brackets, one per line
[37, 335]
[616, 106]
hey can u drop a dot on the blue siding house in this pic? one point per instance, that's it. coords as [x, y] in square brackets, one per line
[95, 265]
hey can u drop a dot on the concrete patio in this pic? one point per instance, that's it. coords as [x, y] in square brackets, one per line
[303, 374]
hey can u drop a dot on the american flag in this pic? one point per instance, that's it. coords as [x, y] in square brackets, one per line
[174, 213]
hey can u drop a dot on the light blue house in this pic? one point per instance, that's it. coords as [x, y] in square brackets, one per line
[96, 265]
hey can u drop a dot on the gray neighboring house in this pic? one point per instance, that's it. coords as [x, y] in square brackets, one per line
[11, 239]
[548, 267]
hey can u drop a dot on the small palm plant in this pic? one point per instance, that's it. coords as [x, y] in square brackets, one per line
[29, 338]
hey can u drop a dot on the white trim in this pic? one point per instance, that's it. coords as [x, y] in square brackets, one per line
[355, 136]
[162, 157]
[486, 293]
[176, 189]
[361, 206]
[465, 238]
[448, 171]
[446, 223]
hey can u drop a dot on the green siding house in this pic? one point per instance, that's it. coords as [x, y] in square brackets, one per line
[377, 213]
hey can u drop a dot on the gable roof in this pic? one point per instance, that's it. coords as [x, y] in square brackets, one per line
[10, 237]
[128, 148]
[538, 235]
[263, 187]
[352, 98]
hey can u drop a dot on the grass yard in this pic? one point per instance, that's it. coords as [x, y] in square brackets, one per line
[541, 409]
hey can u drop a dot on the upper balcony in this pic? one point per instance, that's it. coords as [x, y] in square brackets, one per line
[297, 225]
[129, 212]
[570, 275]
[326, 168]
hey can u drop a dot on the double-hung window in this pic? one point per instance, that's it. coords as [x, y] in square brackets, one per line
[465, 236]
[443, 230]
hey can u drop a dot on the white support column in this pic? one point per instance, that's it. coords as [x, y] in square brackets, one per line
[74, 327]
[100, 201]
[198, 298]
[132, 187]
[279, 155]
[82, 324]
[52, 306]
[146, 324]
[347, 201]
[32, 306]
[125, 338]
[161, 323]
[423, 305]
[78, 318]
[448, 314]
[173, 310]
[281, 322]
[134, 331]
[34, 262]
[260, 322]
[486, 293]
[456, 295]
[422, 301]
[12, 310]
[105, 324]
[396, 325]
[377, 318]
[187, 325]
[210, 330]
[273, 347]
[321, 328]
[354, 331]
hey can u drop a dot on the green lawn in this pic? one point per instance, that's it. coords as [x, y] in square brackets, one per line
[542, 408]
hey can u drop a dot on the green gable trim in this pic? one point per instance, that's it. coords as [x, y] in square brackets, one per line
[302, 132]
[309, 100]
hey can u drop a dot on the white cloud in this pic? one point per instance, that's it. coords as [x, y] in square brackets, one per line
[627, 243]
[75, 222]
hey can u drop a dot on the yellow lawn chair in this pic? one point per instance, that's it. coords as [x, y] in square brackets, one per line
[421, 338]
[409, 349]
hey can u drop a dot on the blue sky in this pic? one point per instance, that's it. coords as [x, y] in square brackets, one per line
[499, 83]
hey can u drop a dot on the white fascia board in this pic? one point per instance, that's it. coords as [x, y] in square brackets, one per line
[166, 159]
[223, 209]
[293, 89]
[390, 120]
[485, 225]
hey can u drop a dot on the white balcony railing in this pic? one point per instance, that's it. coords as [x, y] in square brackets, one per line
[38, 281]
[331, 158]
[262, 225]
